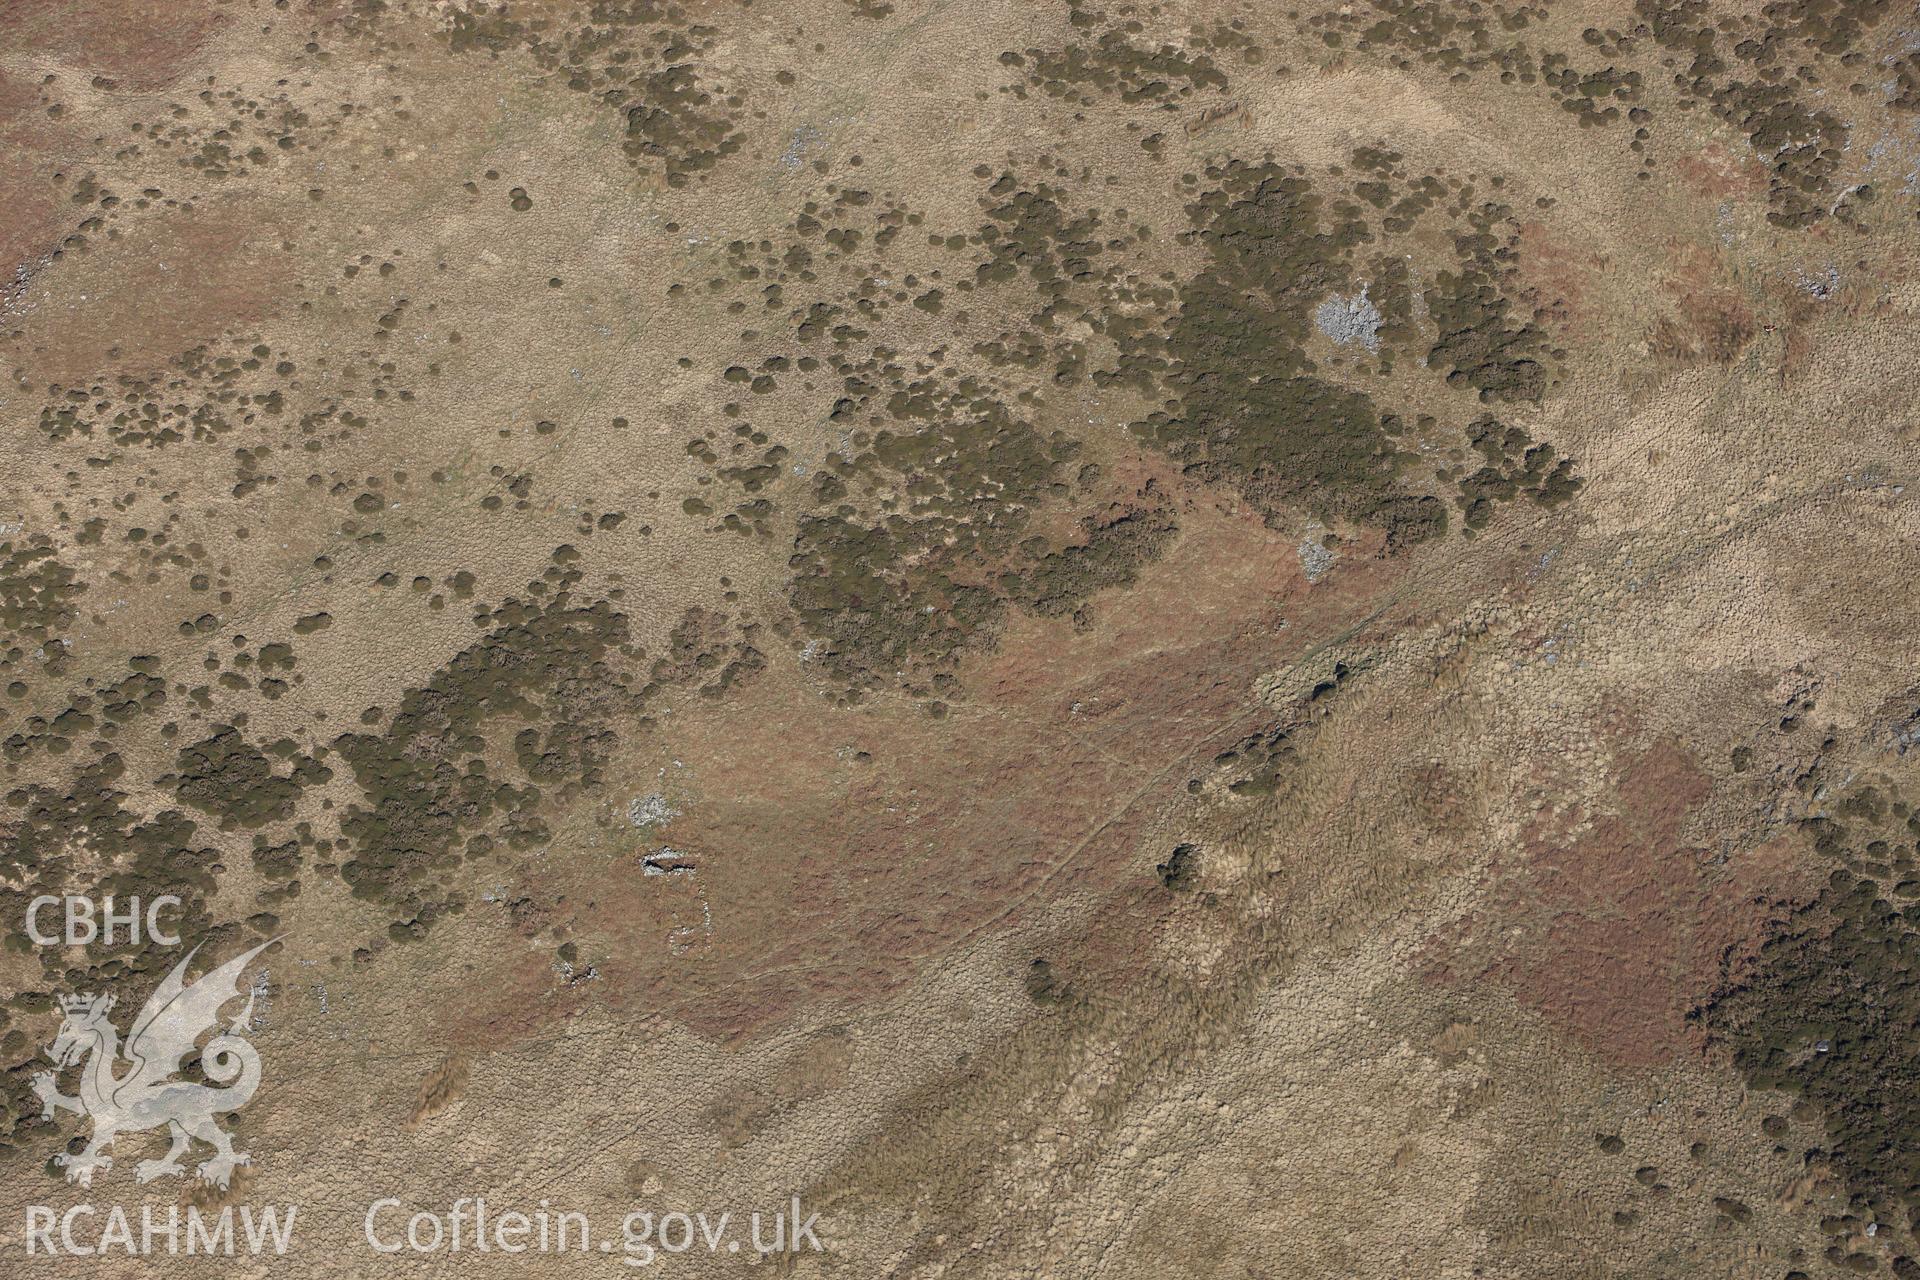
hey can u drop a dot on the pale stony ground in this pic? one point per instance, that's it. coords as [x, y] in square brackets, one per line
[1352, 1050]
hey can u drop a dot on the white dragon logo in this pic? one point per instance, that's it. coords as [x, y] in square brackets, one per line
[146, 1096]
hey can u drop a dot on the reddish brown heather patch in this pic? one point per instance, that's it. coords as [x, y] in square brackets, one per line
[1560, 278]
[142, 44]
[1623, 927]
[16, 99]
[1715, 171]
[519, 1003]
[521, 991]
[1715, 323]
[29, 231]
[30, 216]
[165, 286]
[833, 879]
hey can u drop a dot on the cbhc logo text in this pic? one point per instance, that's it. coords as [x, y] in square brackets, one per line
[88, 922]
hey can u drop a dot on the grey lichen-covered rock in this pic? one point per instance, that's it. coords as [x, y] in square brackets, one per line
[1350, 319]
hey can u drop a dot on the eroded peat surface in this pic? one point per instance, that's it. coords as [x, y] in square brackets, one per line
[1182, 639]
